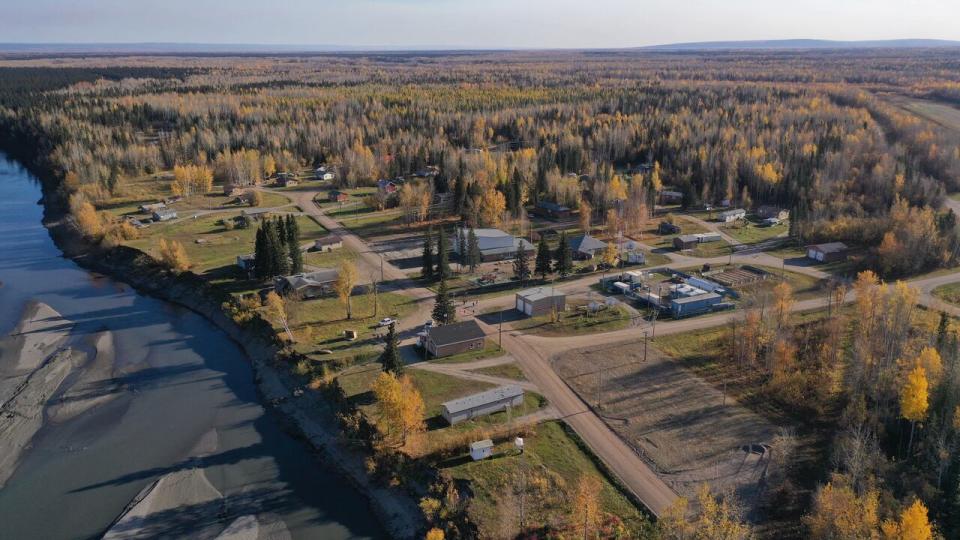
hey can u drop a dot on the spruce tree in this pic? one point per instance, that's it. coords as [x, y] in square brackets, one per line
[474, 256]
[427, 265]
[261, 256]
[562, 257]
[443, 255]
[293, 245]
[460, 195]
[443, 310]
[462, 247]
[521, 263]
[544, 258]
[390, 357]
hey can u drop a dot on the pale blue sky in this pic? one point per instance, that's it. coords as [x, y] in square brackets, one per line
[472, 23]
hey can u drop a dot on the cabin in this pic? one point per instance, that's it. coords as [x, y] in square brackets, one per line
[153, 207]
[323, 173]
[551, 210]
[586, 247]
[729, 216]
[335, 195]
[328, 243]
[829, 252]
[286, 181]
[767, 211]
[164, 214]
[482, 404]
[540, 301]
[387, 187]
[671, 197]
[455, 338]
[308, 285]
[496, 245]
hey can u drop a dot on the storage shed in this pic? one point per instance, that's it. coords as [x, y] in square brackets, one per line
[540, 301]
[164, 214]
[481, 449]
[686, 241]
[455, 338]
[829, 252]
[488, 402]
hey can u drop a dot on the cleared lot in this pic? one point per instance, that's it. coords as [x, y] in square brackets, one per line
[675, 420]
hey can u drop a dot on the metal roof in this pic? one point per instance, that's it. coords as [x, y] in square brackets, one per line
[456, 333]
[733, 212]
[829, 247]
[481, 445]
[320, 277]
[495, 395]
[539, 293]
[689, 238]
[697, 298]
[587, 244]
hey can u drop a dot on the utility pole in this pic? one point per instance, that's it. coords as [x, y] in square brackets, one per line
[500, 331]
[644, 346]
[381, 267]
[599, 388]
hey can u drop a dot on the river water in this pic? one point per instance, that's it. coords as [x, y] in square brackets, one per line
[78, 476]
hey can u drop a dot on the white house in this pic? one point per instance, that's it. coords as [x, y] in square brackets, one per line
[729, 216]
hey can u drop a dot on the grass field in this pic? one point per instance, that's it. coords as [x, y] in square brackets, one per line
[949, 293]
[153, 188]
[574, 322]
[218, 247]
[329, 259]
[508, 371]
[552, 463]
[750, 231]
[490, 350]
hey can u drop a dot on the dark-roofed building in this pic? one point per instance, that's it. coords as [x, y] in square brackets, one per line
[455, 338]
[768, 211]
[484, 403]
[551, 210]
[668, 228]
[496, 245]
[586, 247]
[308, 285]
[686, 241]
[335, 195]
[164, 214]
[829, 252]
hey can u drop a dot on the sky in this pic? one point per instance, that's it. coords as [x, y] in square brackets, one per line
[471, 23]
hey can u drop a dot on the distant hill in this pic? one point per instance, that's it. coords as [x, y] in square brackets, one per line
[782, 44]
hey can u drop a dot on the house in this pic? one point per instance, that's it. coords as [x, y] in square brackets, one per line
[455, 338]
[286, 181]
[329, 242]
[388, 187]
[481, 449]
[767, 211]
[829, 252]
[693, 305]
[484, 403]
[308, 285]
[496, 245]
[245, 262]
[586, 247]
[668, 228]
[335, 195]
[153, 207]
[770, 222]
[164, 214]
[322, 173]
[231, 190]
[671, 197]
[540, 301]
[551, 210]
[686, 241]
[427, 172]
[729, 216]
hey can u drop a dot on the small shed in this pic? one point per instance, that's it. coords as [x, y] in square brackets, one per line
[164, 214]
[245, 262]
[669, 197]
[540, 301]
[709, 237]
[328, 243]
[829, 252]
[686, 241]
[455, 338]
[335, 195]
[481, 449]
[481, 404]
[668, 228]
[693, 305]
[152, 207]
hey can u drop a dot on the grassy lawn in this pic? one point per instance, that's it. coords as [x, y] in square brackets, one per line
[575, 322]
[490, 350]
[711, 249]
[553, 461]
[751, 232]
[218, 246]
[949, 293]
[507, 371]
[329, 259]
[319, 324]
[804, 286]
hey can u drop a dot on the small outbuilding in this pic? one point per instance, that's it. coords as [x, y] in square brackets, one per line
[552, 210]
[540, 301]
[829, 252]
[245, 262]
[668, 228]
[671, 197]
[335, 195]
[328, 243]
[689, 306]
[152, 207]
[387, 187]
[487, 402]
[481, 449]
[686, 241]
[455, 338]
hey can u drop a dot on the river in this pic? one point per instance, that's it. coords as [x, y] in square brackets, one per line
[79, 475]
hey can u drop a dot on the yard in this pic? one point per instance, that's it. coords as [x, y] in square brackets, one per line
[576, 321]
[329, 259]
[490, 350]
[156, 187]
[550, 467]
[751, 231]
[949, 293]
[209, 244]
[510, 370]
